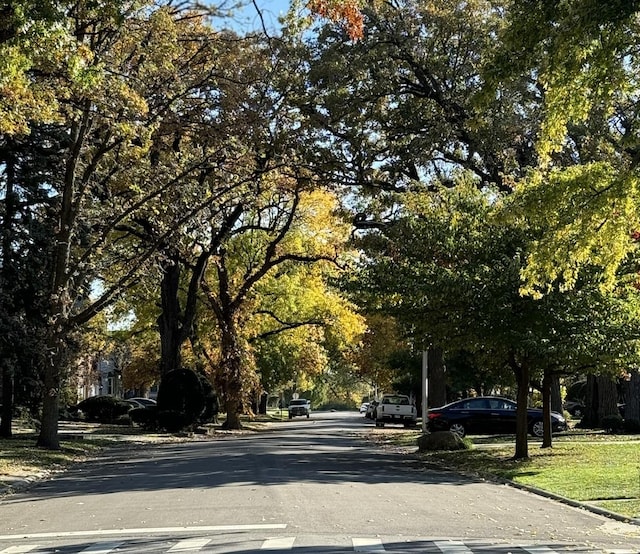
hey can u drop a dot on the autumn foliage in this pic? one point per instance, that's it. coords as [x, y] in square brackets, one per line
[345, 11]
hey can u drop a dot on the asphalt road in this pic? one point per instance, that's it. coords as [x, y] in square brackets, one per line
[307, 485]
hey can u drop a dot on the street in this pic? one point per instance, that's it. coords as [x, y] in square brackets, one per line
[307, 485]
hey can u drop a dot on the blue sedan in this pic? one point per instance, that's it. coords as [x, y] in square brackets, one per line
[488, 415]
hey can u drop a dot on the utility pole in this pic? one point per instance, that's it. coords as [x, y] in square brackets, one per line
[425, 390]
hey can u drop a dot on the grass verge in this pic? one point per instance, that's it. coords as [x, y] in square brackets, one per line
[19, 456]
[601, 470]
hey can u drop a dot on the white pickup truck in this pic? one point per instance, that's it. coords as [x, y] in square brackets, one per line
[396, 408]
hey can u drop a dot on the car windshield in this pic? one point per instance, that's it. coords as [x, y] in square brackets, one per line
[300, 402]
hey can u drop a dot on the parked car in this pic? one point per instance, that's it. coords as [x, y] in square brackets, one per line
[488, 415]
[575, 408]
[396, 408]
[299, 407]
[142, 402]
[363, 407]
[372, 410]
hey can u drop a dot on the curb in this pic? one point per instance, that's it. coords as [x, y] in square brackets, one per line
[11, 485]
[575, 503]
[535, 490]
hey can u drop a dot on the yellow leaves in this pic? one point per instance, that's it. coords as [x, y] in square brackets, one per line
[586, 216]
[20, 100]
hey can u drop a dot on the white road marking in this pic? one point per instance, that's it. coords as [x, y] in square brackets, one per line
[189, 545]
[452, 547]
[537, 549]
[19, 549]
[146, 531]
[367, 545]
[102, 548]
[283, 543]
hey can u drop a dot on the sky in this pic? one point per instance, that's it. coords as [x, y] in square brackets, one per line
[248, 18]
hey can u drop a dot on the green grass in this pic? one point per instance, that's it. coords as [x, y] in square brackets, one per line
[19, 456]
[601, 472]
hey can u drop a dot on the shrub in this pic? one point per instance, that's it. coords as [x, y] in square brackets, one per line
[147, 418]
[181, 395]
[173, 420]
[632, 426]
[102, 409]
[442, 441]
[612, 423]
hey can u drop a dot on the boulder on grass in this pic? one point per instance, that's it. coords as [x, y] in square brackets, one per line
[441, 440]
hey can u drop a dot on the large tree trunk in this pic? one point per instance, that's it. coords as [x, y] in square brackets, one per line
[7, 278]
[632, 396]
[547, 382]
[169, 320]
[54, 364]
[6, 416]
[590, 417]
[231, 376]
[437, 377]
[607, 397]
[176, 324]
[521, 372]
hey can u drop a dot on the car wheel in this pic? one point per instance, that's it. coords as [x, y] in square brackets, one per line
[307, 416]
[537, 428]
[458, 429]
[577, 412]
[379, 423]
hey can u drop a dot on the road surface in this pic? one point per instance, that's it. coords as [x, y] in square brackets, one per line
[304, 486]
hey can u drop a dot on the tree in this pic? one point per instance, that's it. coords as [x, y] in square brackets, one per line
[382, 340]
[304, 333]
[115, 160]
[582, 54]
[450, 268]
[287, 224]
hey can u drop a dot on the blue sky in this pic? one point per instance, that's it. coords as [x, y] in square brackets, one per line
[271, 9]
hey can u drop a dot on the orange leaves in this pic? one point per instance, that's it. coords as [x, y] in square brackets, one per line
[345, 11]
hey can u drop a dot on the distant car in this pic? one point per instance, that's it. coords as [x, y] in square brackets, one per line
[488, 415]
[372, 410]
[363, 407]
[143, 401]
[299, 407]
[139, 402]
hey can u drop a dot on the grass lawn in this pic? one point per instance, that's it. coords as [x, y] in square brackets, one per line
[603, 470]
[19, 456]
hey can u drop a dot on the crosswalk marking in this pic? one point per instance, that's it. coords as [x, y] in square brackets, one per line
[145, 531]
[452, 547]
[281, 543]
[367, 545]
[102, 548]
[189, 545]
[372, 545]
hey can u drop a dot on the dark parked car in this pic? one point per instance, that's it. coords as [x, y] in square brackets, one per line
[575, 408]
[488, 415]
